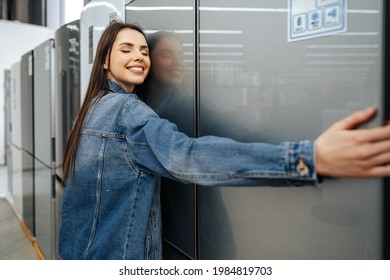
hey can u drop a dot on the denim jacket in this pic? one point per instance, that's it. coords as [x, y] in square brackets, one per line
[111, 207]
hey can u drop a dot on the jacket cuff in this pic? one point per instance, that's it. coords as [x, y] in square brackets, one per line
[301, 167]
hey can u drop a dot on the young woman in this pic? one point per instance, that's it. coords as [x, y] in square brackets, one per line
[119, 148]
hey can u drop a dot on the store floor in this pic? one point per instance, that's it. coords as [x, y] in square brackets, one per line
[14, 242]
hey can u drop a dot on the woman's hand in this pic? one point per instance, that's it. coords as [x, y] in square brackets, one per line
[346, 151]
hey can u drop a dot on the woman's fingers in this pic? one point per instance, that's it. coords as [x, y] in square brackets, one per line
[355, 119]
[365, 150]
[378, 171]
[380, 133]
[379, 160]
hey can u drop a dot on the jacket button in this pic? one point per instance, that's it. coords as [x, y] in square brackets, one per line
[302, 169]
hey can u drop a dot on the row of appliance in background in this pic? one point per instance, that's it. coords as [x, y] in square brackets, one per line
[42, 99]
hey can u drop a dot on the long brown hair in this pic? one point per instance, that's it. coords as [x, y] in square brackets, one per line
[97, 83]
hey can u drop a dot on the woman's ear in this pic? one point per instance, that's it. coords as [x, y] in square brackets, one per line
[105, 66]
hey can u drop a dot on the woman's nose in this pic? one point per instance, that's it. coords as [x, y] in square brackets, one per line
[138, 56]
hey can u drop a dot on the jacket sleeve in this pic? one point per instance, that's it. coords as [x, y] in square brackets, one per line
[156, 146]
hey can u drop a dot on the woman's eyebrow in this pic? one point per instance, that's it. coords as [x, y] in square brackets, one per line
[127, 44]
[132, 45]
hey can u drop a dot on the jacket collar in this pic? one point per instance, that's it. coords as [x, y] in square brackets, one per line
[114, 86]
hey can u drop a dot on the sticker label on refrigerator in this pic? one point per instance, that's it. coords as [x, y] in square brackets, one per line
[315, 18]
[30, 65]
[47, 58]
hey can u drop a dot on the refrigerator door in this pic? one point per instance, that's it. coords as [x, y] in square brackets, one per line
[67, 99]
[27, 92]
[7, 107]
[8, 129]
[44, 209]
[170, 92]
[44, 146]
[16, 136]
[262, 88]
[27, 87]
[43, 101]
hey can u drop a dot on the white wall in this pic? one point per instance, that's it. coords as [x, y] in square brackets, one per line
[54, 16]
[16, 39]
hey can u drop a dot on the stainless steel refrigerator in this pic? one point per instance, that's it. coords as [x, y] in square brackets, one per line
[27, 132]
[248, 81]
[44, 141]
[67, 101]
[67, 96]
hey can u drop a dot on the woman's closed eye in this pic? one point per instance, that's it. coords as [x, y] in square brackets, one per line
[144, 53]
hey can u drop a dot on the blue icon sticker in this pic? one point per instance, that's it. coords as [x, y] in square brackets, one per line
[299, 23]
[314, 18]
[332, 16]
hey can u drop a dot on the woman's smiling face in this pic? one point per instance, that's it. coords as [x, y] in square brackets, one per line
[129, 61]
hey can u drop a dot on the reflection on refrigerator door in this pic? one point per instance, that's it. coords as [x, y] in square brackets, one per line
[172, 97]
